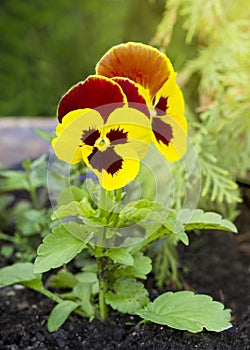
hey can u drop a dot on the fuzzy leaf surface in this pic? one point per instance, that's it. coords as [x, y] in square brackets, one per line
[120, 256]
[63, 280]
[19, 273]
[129, 295]
[207, 220]
[186, 311]
[142, 266]
[57, 249]
[70, 194]
[83, 292]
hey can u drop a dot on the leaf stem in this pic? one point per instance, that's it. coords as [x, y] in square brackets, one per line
[5, 237]
[55, 298]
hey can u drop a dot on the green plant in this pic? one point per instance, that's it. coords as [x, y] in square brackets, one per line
[109, 121]
[26, 217]
[113, 276]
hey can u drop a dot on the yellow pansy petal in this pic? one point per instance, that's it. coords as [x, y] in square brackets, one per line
[170, 136]
[68, 118]
[139, 62]
[170, 99]
[67, 144]
[115, 167]
[136, 126]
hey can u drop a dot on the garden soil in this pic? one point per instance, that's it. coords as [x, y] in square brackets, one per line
[216, 263]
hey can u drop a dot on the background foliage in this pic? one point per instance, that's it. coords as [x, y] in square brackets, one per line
[47, 46]
[209, 43]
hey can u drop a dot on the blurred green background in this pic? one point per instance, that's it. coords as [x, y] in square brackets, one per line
[47, 46]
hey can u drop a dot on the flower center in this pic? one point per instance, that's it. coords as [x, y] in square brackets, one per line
[102, 143]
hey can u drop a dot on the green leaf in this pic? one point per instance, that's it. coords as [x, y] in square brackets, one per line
[90, 278]
[19, 273]
[206, 220]
[29, 221]
[82, 232]
[6, 250]
[60, 313]
[134, 211]
[66, 210]
[38, 173]
[83, 292]
[13, 181]
[5, 201]
[57, 249]
[183, 237]
[120, 256]
[142, 266]
[186, 311]
[63, 280]
[70, 194]
[47, 136]
[74, 208]
[87, 277]
[129, 295]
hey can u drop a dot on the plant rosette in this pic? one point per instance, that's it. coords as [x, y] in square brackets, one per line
[106, 126]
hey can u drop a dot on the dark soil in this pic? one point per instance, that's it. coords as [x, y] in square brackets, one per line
[218, 264]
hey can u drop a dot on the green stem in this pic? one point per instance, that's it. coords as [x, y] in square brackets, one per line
[5, 237]
[55, 298]
[34, 198]
[101, 264]
[173, 261]
[119, 195]
[103, 201]
[103, 310]
[31, 189]
[101, 260]
[49, 294]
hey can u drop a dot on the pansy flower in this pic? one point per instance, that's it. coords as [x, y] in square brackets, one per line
[99, 126]
[154, 76]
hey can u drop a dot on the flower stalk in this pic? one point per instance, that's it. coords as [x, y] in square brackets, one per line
[101, 264]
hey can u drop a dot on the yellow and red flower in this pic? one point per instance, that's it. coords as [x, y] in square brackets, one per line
[154, 76]
[99, 126]
[109, 119]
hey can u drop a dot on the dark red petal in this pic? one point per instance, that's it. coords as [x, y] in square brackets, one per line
[107, 160]
[117, 136]
[162, 106]
[94, 92]
[89, 137]
[163, 131]
[135, 99]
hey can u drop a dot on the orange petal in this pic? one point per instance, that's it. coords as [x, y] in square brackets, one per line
[139, 62]
[96, 91]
